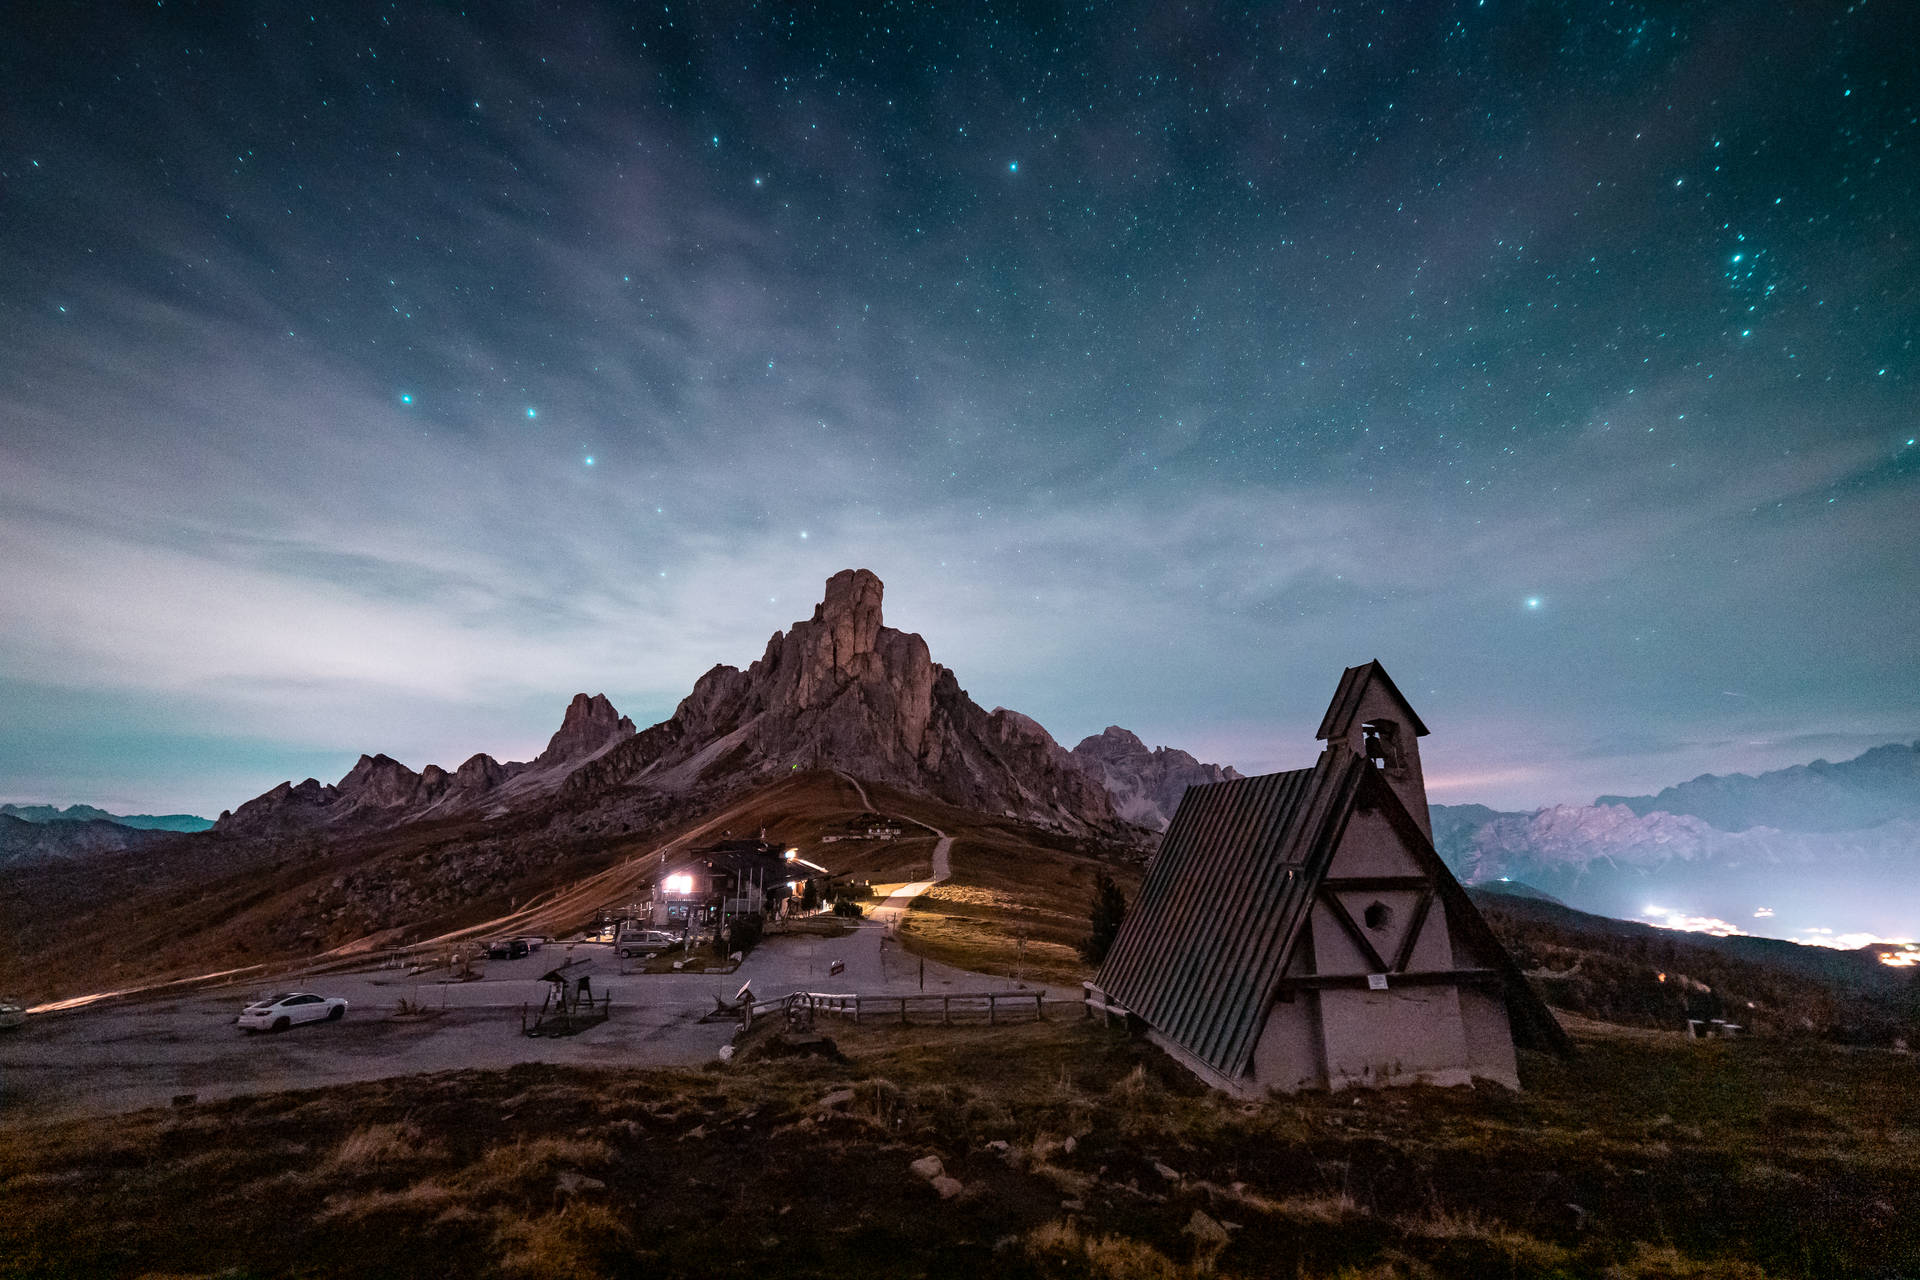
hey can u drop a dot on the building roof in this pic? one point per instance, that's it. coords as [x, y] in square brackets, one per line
[1346, 700]
[727, 861]
[1200, 955]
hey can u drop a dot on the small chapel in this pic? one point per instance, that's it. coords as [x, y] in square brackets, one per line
[1298, 930]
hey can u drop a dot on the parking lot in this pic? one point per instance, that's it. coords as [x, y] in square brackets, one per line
[136, 1052]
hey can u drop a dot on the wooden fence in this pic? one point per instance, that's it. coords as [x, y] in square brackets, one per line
[995, 1006]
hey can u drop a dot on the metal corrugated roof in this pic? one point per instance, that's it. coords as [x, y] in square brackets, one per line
[1200, 953]
[1346, 700]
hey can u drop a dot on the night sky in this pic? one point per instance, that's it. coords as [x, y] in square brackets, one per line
[376, 379]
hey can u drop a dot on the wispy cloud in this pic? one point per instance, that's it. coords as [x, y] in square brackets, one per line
[1126, 447]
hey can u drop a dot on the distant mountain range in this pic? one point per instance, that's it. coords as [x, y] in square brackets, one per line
[1814, 847]
[1878, 786]
[23, 842]
[837, 706]
[380, 792]
[840, 690]
[87, 813]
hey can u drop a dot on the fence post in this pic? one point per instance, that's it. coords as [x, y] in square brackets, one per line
[903, 1011]
[1039, 1009]
[946, 1016]
[856, 1010]
[990, 1007]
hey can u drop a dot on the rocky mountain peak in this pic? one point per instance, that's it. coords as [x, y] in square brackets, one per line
[379, 782]
[590, 726]
[843, 690]
[1145, 785]
[838, 690]
[480, 772]
[850, 610]
[1112, 743]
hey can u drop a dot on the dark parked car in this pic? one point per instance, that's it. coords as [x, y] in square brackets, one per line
[507, 949]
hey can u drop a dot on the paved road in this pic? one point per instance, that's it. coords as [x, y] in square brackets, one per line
[144, 1051]
[123, 1054]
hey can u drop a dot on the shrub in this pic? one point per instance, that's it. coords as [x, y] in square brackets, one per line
[848, 909]
[583, 1240]
[881, 1102]
[383, 1146]
[1061, 1246]
[1109, 907]
[742, 934]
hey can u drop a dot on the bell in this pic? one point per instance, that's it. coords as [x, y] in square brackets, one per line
[1372, 749]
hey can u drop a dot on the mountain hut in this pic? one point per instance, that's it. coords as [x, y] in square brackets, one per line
[1297, 930]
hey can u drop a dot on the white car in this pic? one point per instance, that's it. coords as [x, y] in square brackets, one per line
[12, 1014]
[277, 1013]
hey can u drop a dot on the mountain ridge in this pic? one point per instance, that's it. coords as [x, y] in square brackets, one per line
[380, 791]
[88, 813]
[1878, 785]
[1811, 849]
[1146, 786]
[24, 843]
[843, 690]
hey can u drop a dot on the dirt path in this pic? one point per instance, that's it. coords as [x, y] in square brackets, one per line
[855, 784]
[873, 955]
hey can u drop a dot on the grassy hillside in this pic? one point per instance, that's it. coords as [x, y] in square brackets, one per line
[204, 903]
[1074, 1152]
[1016, 904]
[1631, 973]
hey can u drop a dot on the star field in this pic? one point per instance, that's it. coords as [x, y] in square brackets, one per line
[380, 376]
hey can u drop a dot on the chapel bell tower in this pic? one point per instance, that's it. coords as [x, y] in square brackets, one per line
[1369, 717]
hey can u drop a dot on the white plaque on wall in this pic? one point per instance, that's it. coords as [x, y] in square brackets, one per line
[1376, 982]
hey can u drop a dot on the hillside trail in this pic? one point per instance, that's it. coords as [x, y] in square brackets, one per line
[873, 953]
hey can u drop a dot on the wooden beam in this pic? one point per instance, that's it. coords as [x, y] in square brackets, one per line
[1374, 884]
[1420, 909]
[1353, 931]
[1358, 981]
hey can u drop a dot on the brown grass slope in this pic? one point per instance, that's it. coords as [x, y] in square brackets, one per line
[1079, 1153]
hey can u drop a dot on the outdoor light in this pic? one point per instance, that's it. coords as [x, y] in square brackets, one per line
[680, 884]
[791, 854]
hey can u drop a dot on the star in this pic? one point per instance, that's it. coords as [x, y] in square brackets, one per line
[531, 412]
[1533, 602]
